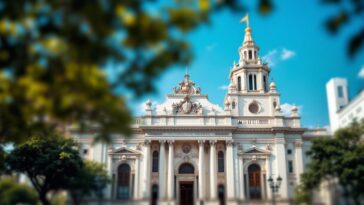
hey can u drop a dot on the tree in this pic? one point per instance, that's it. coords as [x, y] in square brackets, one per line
[339, 157]
[91, 180]
[13, 193]
[50, 163]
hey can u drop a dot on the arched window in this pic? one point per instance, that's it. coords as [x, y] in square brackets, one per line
[250, 82]
[220, 161]
[255, 54]
[123, 190]
[155, 161]
[255, 82]
[274, 104]
[265, 83]
[221, 194]
[239, 83]
[186, 168]
[250, 54]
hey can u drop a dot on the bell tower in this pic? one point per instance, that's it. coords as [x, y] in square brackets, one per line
[249, 91]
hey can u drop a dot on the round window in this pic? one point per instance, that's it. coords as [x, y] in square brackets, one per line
[253, 107]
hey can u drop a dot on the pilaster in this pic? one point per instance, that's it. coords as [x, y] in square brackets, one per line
[281, 164]
[201, 168]
[213, 173]
[230, 170]
[170, 178]
[162, 172]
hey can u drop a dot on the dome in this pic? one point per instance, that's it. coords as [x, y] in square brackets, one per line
[272, 85]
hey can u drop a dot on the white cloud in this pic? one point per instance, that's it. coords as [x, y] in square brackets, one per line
[361, 72]
[287, 54]
[275, 56]
[223, 87]
[211, 47]
[286, 109]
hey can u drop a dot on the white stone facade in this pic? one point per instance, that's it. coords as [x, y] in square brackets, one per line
[342, 112]
[188, 150]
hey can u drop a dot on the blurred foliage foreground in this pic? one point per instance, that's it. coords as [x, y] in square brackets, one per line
[53, 56]
[338, 159]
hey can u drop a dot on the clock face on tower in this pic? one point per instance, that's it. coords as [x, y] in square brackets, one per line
[253, 107]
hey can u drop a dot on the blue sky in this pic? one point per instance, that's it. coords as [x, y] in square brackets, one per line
[292, 37]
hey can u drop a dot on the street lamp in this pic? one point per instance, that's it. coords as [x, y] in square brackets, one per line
[274, 186]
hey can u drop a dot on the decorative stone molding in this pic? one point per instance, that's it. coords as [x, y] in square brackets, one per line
[201, 142]
[229, 142]
[186, 106]
[213, 142]
[186, 86]
[268, 147]
[298, 144]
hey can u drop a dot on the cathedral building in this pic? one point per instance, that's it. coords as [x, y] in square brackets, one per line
[189, 150]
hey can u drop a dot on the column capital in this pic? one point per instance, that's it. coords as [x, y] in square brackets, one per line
[170, 142]
[162, 142]
[147, 142]
[298, 144]
[213, 142]
[201, 142]
[229, 142]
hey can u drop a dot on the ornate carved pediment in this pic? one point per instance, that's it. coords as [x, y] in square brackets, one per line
[186, 106]
[255, 151]
[125, 151]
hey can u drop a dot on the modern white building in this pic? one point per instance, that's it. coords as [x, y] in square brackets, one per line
[342, 112]
[189, 150]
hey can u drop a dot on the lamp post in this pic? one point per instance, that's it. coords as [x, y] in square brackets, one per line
[274, 186]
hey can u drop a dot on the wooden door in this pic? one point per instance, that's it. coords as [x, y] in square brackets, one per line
[186, 193]
[255, 191]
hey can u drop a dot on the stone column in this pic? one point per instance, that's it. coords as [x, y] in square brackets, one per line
[281, 164]
[162, 172]
[260, 81]
[201, 175]
[170, 178]
[145, 177]
[299, 160]
[241, 178]
[136, 179]
[213, 173]
[230, 170]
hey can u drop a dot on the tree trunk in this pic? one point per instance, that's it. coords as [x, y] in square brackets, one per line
[43, 199]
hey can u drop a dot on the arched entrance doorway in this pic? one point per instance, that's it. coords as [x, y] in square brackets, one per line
[255, 188]
[154, 194]
[221, 194]
[186, 187]
[123, 186]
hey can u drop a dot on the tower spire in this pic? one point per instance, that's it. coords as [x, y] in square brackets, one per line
[187, 76]
[248, 51]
